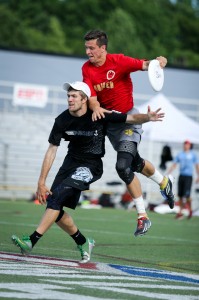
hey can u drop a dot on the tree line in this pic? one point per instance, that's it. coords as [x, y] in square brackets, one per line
[138, 28]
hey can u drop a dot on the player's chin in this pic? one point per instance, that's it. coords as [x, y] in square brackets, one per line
[91, 59]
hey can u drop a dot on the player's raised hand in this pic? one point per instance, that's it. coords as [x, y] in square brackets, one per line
[162, 60]
[156, 115]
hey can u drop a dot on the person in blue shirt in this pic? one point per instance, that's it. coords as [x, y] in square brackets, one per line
[186, 159]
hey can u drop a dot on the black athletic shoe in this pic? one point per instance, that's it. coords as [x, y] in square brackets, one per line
[142, 227]
[167, 192]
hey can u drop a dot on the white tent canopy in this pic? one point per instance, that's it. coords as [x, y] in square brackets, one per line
[176, 126]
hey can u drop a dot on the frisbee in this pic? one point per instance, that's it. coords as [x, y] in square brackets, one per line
[156, 75]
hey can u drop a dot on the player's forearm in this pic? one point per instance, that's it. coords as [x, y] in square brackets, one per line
[197, 169]
[93, 103]
[145, 65]
[153, 116]
[47, 164]
[137, 119]
[170, 170]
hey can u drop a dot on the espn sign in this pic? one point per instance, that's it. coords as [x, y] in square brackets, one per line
[30, 95]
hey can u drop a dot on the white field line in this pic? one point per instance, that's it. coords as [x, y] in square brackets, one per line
[106, 232]
[74, 275]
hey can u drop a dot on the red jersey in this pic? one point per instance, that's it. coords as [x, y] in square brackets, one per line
[111, 82]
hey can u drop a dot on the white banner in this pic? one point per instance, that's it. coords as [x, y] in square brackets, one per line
[30, 95]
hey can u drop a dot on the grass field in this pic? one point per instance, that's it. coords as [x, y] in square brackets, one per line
[170, 245]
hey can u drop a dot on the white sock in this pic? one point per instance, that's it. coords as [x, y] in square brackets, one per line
[139, 204]
[157, 177]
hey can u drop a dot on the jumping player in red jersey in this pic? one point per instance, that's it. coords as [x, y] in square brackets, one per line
[108, 76]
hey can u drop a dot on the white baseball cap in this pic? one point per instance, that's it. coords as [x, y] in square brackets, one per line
[79, 86]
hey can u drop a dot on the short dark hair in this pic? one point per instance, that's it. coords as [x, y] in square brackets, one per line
[100, 36]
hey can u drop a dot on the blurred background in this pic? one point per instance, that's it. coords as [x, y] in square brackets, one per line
[42, 46]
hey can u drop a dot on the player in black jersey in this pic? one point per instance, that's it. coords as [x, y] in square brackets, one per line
[81, 166]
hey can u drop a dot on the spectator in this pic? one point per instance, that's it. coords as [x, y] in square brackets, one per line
[186, 159]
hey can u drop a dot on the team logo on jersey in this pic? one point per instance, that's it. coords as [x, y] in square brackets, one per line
[110, 74]
[80, 133]
[70, 132]
[104, 85]
[128, 132]
[82, 173]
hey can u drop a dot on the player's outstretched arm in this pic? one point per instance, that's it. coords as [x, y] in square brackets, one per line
[162, 60]
[42, 189]
[197, 171]
[153, 116]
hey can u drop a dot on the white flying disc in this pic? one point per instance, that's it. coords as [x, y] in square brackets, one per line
[156, 75]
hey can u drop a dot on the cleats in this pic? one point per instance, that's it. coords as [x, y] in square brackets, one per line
[179, 216]
[167, 191]
[190, 215]
[142, 226]
[86, 250]
[24, 244]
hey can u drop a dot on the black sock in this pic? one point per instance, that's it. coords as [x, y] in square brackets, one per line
[35, 237]
[78, 238]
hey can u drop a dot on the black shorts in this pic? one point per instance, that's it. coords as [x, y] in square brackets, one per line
[73, 177]
[184, 186]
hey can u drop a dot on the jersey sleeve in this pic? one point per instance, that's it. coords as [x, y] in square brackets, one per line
[177, 159]
[87, 80]
[115, 117]
[130, 64]
[55, 135]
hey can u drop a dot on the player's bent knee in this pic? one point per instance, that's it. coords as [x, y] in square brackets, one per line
[124, 171]
[138, 164]
[60, 216]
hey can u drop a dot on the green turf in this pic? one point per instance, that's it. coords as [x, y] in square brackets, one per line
[170, 244]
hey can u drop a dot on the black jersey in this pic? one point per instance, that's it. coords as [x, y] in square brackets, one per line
[86, 137]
